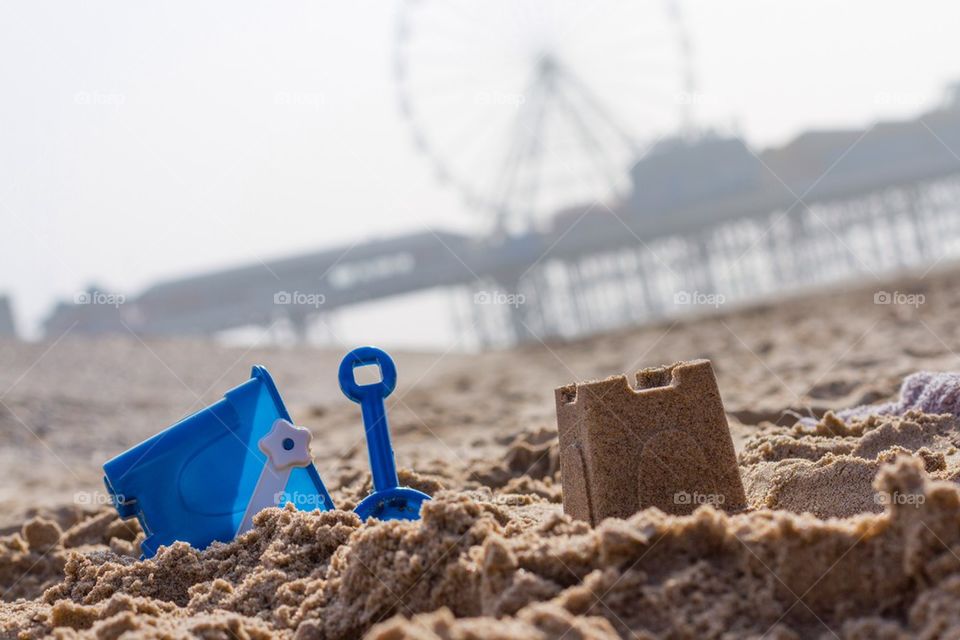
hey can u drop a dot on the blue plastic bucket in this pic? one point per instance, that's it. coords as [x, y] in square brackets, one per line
[192, 481]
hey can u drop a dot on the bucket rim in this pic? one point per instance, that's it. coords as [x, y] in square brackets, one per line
[260, 372]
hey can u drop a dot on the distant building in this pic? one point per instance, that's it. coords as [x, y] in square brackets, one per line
[679, 174]
[7, 327]
[953, 96]
[91, 312]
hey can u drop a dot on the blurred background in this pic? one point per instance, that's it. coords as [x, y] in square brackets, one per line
[463, 175]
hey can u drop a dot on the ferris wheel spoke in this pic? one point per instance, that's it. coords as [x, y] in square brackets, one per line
[522, 137]
[590, 141]
[471, 131]
[535, 144]
[650, 102]
[605, 114]
[468, 141]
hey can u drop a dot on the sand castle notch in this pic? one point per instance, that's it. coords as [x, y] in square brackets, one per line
[665, 444]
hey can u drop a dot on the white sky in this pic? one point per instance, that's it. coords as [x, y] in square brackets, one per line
[144, 140]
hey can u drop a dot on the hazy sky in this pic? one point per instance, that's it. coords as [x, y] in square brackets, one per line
[143, 140]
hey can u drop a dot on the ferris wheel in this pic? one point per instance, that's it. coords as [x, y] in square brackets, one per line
[527, 107]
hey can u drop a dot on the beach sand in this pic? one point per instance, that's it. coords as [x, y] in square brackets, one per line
[852, 530]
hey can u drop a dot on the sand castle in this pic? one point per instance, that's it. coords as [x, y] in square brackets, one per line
[665, 444]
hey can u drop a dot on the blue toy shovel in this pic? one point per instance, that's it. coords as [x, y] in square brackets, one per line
[389, 501]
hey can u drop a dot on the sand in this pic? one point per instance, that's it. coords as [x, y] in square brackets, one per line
[852, 528]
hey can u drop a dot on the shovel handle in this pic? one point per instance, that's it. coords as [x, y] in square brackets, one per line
[362, 356]
[370, 397]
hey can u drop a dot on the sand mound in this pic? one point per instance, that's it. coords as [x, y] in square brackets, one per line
[828, 469]
[324, 575]
[33, 558]
[497, 558]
